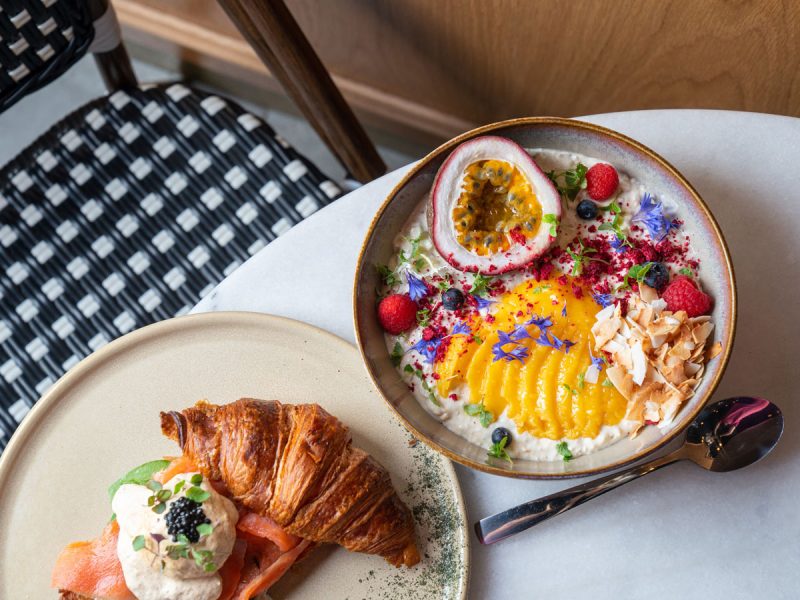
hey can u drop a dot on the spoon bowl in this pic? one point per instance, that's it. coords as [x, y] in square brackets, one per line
[727, 435]
[733, 433]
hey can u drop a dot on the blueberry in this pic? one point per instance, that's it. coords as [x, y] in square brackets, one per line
[587, 210]
[500, 433]
[452, 299]
[657, 276]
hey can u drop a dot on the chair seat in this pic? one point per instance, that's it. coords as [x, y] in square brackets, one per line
[127, 212]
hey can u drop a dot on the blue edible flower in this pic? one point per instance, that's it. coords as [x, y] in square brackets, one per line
[564, 309]
[482, 302]
[428, 348]
[597, 362]
[617, 244]
[504, 338]
[461, 328]
[541, 322]
[651, 215]
[519, 333]
[519, 353]
[543, 340]
[603, 299]
[416, 288]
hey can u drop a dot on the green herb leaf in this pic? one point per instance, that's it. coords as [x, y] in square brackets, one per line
[209, 567]
[581, 378]
[686, 271]
[408, 369]
[153, 485]
[397, 354]
[607, 383]
[159, 508]
[485, 417]
[163, 495]
[205, 529]
[564, 451]
[480, 285]
[540, 288]
[553, 221]
[183, 539]
[196, 479]
[179, 487]
[569, 389]
[574, 180]
[197, 494]
[138, 476]
[637, 273]
[498, 450]
[423, 317]
[138, 543]
[387, 275]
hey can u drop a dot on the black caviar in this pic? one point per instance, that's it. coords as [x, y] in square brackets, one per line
[183, 518]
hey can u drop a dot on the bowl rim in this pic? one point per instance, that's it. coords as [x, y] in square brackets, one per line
[448, 147]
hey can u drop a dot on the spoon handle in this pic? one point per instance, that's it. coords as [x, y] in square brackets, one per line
[507, 523]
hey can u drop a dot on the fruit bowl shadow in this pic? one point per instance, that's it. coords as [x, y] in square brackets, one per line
[716, 276]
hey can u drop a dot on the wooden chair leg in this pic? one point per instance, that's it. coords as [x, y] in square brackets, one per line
[280, 43]
[116, 68]
[114, 64]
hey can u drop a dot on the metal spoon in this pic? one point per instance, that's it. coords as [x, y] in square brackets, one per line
[727, 435]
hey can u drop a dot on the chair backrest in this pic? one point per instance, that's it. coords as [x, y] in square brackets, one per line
[40, 40]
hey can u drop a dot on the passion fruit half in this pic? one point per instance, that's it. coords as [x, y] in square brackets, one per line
[492, 209]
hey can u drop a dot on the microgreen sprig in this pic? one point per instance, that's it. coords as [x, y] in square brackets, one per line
[421, 376]
[580, 258]
[553, 221]
[616, 224]
[564, 451]
[574, 180]
[485, 417]
[480, 285]
[397, 354]
[498, 450]
[637, 273]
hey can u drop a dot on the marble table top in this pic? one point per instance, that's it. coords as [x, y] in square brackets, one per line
[680, 532]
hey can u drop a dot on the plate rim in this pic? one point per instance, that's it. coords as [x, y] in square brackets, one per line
[49, 400]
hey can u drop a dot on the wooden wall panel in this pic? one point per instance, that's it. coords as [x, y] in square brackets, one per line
[442, 65]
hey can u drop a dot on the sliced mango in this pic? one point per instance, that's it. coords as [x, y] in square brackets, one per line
[544, 394]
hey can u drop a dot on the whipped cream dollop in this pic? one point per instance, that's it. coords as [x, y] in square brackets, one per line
[155, 564]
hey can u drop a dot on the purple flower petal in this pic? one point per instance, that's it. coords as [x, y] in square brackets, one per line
[564, 309]
[504, 338]
[519, 333]
[617, 244]
[482, 302]
[567, 345]
[519, 353]
[416, 288]
[461, 328]
[603, 299]
[428, 348]
[543, 340]
[498, 352]
[541, 322]
[597, 362]
[651, 215]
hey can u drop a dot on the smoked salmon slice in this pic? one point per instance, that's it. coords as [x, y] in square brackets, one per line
[231, 571]
[267, 572]
[264, 527]
[182, 464]
[92, 568]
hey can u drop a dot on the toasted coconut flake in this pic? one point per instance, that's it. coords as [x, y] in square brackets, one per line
[701, 332]
[639, 363]
[659, 306]
[714, 351]
[692, 368]
[604, 331]
[606, 313]
[647, 293]
[621, 380]
[592, 374]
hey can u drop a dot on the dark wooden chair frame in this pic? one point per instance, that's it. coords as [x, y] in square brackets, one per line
[276, 37]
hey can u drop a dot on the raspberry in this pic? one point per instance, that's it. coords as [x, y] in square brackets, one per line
[682, 294]
[601, 181]
[397, 313]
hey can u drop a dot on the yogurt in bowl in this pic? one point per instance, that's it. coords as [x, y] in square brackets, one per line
[593, 353]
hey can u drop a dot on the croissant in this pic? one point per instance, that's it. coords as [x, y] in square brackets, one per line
[295, 464]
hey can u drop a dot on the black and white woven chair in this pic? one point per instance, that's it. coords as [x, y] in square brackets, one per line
[128, 210]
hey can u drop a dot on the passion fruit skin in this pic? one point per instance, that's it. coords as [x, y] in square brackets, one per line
[447, 188]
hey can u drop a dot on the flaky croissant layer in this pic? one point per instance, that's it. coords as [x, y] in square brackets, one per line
[295, 464]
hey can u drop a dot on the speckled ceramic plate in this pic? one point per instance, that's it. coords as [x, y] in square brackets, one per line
[101, 419]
